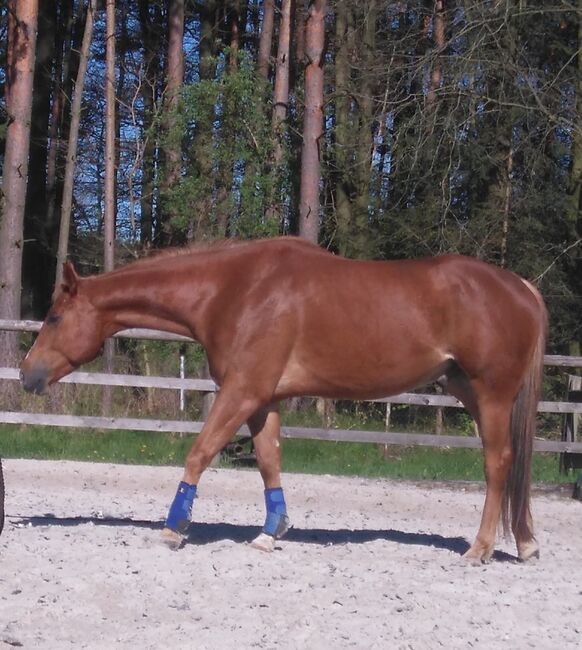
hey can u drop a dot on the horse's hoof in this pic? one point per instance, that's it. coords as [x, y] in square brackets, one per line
[172, 539]
[476, 556]
[264, 542]
[528, 551]
[472, 560]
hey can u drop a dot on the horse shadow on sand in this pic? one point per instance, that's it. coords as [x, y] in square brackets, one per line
[201, 533]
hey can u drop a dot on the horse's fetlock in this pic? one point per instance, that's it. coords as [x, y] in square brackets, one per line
[528, 550]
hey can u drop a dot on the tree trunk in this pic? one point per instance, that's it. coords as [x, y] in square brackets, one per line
[22, 24]
[362, 237]
[439, 42]
[110, 208]
[280, 105]
[233, 22]
[506, 208]
[266, 39]
[201, 225]
[354, 126]
[61, 74]
[575, 211]
[281, 92]
[174, 80]
[37, 265]
[312, 133]
[296, 82]
[299, 33]
[150, 33]
[343, 211]
[122, 45]
[575, 185]
[71, 159]
[225, 173]
[312, 122]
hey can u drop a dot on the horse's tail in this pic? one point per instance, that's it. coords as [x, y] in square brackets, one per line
[516, 502]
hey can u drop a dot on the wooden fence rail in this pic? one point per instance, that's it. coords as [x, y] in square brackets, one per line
[333, 435]
[155, 335]
[208, 386]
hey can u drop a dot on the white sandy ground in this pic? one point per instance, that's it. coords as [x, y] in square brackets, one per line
[369, 564]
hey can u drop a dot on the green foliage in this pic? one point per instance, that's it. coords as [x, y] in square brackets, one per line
[483, 168]
[226, 127]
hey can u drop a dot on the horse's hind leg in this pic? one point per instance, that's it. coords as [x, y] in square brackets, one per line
[265, 428]
[494, 426]
[493, 417]
[459, 386]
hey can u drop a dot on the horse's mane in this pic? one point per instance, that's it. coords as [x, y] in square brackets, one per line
[154, 256]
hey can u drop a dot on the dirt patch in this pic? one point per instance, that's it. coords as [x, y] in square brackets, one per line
[368, 564]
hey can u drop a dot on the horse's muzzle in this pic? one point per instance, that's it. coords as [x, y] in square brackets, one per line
[34, 380]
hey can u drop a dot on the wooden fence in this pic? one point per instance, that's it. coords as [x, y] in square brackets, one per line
[208, 386]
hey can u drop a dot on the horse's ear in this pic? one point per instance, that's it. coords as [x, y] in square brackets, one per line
[70, 279]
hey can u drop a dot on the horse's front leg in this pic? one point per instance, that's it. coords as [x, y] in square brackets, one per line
[231, 408]
[265, 426]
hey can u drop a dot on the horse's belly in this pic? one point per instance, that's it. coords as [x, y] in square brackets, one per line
[363, 378]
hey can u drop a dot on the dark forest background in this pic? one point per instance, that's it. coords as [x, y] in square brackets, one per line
[444, 126]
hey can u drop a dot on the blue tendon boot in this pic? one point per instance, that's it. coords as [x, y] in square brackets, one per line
[276, 521]
[178, 520]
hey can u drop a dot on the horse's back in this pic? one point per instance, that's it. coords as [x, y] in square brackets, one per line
[442, 292]
[353, 328]
[359, 321]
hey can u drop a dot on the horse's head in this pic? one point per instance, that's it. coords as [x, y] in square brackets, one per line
[71, 335]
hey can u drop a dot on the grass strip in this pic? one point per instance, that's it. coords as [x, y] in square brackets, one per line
[307, 456]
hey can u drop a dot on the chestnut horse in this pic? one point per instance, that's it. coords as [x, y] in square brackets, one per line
[282, 318]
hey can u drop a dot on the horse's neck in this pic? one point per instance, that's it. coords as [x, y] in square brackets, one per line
[142, 299]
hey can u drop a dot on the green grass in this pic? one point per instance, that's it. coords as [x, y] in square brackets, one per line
[309, 456]
[131, 447]
[413, 463]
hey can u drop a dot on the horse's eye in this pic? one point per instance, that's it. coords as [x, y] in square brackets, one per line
[52, 319]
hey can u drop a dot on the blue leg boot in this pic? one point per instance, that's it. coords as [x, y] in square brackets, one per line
[179, 516]
[276, 521]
